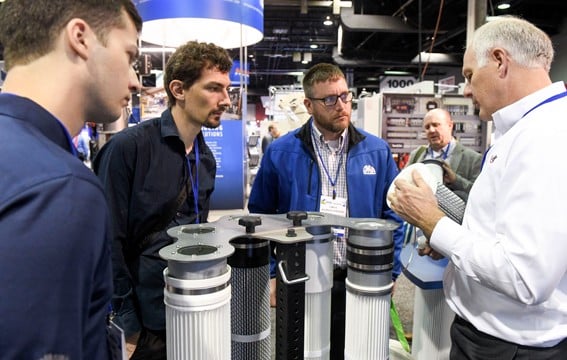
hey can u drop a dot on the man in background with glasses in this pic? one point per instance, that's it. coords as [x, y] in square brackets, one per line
[306, 170]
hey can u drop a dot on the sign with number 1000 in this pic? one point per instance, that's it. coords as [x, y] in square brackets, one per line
[396, 82]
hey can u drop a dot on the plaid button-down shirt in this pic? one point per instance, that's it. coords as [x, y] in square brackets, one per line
[331, 158]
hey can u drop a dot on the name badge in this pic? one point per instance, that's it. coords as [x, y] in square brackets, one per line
[116, 341]
[336, 206]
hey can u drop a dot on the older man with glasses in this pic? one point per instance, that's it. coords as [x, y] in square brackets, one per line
[328, 165]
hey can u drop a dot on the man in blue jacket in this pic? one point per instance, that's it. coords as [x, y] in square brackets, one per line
[330, 166]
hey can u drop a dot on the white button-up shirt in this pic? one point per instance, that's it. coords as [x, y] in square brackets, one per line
[507, 273]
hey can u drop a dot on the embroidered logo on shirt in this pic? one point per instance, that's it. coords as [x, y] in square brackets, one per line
[368, 170]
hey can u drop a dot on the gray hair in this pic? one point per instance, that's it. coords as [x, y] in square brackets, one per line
[528, 45]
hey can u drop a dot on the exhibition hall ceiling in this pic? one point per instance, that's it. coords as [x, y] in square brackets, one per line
[377, 35]
[368, 38]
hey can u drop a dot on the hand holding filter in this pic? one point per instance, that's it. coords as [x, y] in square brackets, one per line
[432, 173]
[449, 202]
[406, 174]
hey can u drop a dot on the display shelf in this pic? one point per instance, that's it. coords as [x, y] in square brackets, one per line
[401, 121]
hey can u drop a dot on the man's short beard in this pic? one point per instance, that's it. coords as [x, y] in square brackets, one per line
[209, 125]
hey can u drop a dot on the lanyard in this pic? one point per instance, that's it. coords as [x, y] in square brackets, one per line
[333, 182]
[548, 100]
[484, 157]
[195, 183]
[445, 153]
[553, 98]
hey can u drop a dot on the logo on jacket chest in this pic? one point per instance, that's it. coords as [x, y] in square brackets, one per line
[368, 170]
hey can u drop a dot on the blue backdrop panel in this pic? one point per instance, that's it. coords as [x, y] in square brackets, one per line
[227, 144]
[238, 73]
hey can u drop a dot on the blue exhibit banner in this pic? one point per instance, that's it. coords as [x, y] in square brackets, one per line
[227, 144]
[247, 12]
[238, 71]
[226, 23]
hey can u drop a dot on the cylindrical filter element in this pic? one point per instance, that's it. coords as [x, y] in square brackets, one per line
[435, 167]
[250, 316]
[197, 313]
[449, 202]
[370, 255]
[319, 268]
[432, 319]
[367, 329]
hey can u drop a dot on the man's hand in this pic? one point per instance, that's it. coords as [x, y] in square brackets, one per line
[416, 204]
[428, 251]
[131, 343]
[449, 176]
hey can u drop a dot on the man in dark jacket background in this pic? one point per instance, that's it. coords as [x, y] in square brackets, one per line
[157, 175]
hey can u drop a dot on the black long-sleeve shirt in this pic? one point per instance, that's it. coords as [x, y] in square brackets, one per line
[144, 170]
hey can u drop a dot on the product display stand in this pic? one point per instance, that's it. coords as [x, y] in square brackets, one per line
[217, 287]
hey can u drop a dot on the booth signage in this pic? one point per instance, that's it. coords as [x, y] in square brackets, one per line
[227, 144]
[396, 82]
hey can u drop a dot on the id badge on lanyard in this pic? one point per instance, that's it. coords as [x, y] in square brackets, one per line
[116, 341]
[336, 206]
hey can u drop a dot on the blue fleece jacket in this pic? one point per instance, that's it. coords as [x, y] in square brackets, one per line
[288, 179]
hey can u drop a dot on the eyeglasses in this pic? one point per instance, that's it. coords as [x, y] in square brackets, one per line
[331, 100]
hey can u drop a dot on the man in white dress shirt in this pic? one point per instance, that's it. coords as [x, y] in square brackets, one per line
[507, 275]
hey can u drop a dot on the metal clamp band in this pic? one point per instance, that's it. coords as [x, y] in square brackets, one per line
[363, 267]
[211, 290]
[290, 282]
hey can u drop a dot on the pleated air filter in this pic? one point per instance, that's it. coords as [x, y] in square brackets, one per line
[432, 173]
[370, 258]
[250, 304]
[197, 301]
[319, 267]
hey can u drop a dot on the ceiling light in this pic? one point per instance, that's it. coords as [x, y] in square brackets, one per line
[396, 72]
[434, 58]
[328, 21]
[280, 31]
[313, 46]
[277, 55]
[503, 5]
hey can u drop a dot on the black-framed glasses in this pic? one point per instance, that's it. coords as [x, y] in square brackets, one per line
[331, 100]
